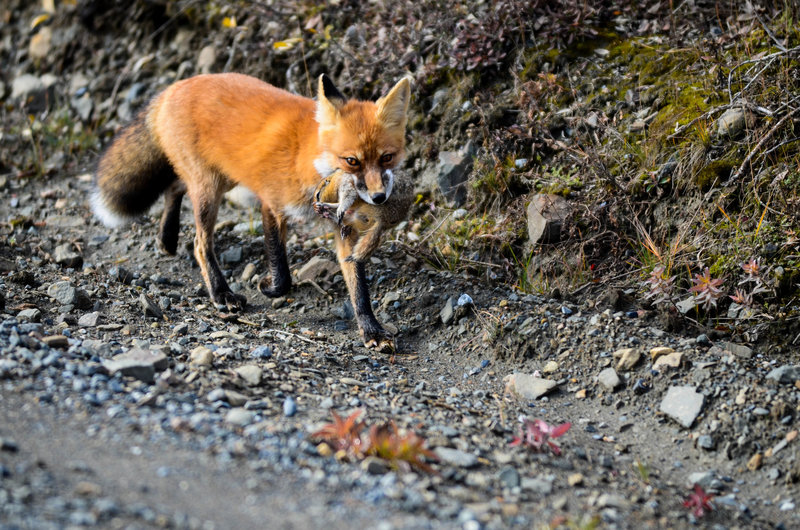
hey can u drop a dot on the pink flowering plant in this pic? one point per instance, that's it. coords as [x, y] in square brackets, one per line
[537, 435]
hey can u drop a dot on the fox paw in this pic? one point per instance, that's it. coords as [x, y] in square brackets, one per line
[345, 231]
[272, 291]
[229, 300]
[380, 341]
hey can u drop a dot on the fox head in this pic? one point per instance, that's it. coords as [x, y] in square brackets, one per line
[363, 138]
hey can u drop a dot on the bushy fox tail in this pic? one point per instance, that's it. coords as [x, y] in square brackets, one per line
[132, 173]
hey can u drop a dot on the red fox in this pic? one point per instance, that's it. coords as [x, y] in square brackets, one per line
[365, 224]
[203, 135]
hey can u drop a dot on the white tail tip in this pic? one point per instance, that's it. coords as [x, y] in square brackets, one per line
[108, 217]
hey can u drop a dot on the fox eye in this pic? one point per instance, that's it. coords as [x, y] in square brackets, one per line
[352, 161]
[386, 158]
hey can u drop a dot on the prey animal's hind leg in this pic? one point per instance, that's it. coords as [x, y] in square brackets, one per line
[206, 205]
[170, 219]
[275, 240]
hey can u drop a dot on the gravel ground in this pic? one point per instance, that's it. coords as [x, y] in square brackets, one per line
[119, 382]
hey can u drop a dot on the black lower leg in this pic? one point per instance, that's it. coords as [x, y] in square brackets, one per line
[170, 219]
[278, 264]
[220, 291]
[363, 307]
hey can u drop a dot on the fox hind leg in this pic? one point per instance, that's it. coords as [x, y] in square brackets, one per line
[206, 207]
[170, 219]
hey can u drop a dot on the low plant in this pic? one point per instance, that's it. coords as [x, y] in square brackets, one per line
[537, 435]
[401, 450]
[707, 290]
[699, 502]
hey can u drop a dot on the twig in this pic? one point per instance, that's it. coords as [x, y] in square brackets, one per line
[771, 34]
[759, 145]
[752, 61]
[785, 142]
[288, 334]
[316, 286]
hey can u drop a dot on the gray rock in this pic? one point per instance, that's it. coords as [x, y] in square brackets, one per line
[138, 363]
[450, 174]
[240, 416]
[67, 294]
[289, 407]
[66, 256]
[250, 374]
[509, 477]
[686, 305]
[206, 59]
[150, 308]
[739, 350]
[25, 85]
[612, 500]
[29, 315]
[707, 442]
[785, 374]
[538, 485]
[705, 479]
[609, 379]
[456, 458]
[733, 122]
[683, 404]
[528, 387]
[375, 466]
[89, 320]
[232, 256]
[448, 312]
[317, 268]
[83, 106]
[547, 217]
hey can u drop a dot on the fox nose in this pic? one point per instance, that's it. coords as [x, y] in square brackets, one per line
[379, 198]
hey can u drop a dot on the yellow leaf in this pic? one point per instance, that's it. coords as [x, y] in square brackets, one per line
[38, 20]
[229, 22]
[286, 44]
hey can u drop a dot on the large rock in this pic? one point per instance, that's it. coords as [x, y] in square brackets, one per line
[785, 374]
[26, 85]
[138, 363]
[547, 217]
[67, 256]
[455, 458]
[317, 268]
[609, 379]
[67, 294]
[529, 387]
[683, 404]
[450, 174]
[734, 122]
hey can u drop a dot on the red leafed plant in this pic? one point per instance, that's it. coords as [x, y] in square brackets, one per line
[537, 435]
[401, 451]
[699, 501]
[707, 290]
[343, 435]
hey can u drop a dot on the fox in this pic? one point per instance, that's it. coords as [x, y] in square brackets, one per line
[203, 135]
[336, 199]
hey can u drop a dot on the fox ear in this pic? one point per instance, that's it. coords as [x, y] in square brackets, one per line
[393, 107]
[329, 100]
